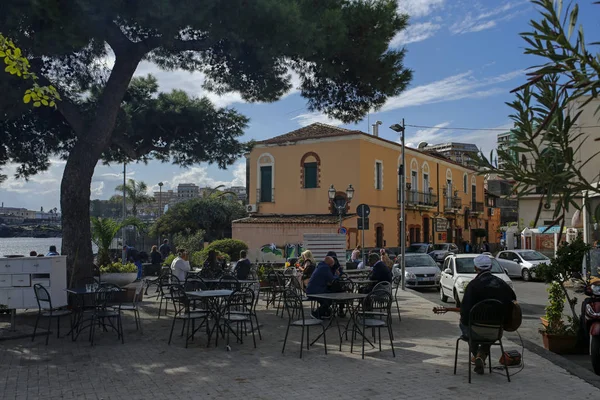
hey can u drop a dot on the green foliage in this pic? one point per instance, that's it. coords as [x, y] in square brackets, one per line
[261, 272]
[117, 267]
[104, 231]
[198, 258]
[211, 215]
[169, 260]
[191, 242]
[231, 247]
[136, 194]
[545, 114]
[554, 313]
[111, 208]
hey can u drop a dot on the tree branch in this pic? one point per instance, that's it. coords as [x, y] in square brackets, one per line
[152, 43]
[134, 152]
[116, 38]
[67, 108]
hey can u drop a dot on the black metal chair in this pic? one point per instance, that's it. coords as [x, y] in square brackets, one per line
[164, 285]
[293, 305]
[156, 282]
[255, 289]
[134, 306]
[108, 309]
[229, 282]
[238, 311]
[183, 312]
[194, 284]
[374, 312]
[45, 310]
[486, 320]
[396, 284]
[277, 284]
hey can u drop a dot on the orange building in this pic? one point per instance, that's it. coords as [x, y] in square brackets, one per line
[289, 177]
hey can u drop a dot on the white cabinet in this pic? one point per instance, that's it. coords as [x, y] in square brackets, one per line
[19, 275]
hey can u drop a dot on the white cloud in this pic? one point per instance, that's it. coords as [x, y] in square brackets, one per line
[97, 189]
[414, 33]
[486, 19]
[202, 177]
[419, 8]
[314, 117]
[429, 135]
[455, 87]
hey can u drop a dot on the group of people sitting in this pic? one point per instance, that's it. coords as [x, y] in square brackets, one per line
[51, 252]
[326, 279]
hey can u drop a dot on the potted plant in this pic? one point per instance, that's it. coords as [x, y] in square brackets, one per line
[560, 336]
[118, 273]
[261, 272]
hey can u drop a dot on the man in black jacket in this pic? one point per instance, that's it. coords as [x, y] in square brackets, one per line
[484, 286]
[243, 266]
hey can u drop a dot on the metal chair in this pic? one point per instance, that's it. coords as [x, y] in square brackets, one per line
[134, 306]
[156, 281]
[45, 310]
[164, 285]
[239, 311]
[229, 282]
[194, 284]
[277, 284]
[368, 317]
[486, 320]
[108, 309]
[293, 305]
[255, 289]
[183, 312]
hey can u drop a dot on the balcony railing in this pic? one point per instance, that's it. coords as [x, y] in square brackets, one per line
[263, 196]
[451, 204]
[476, 207]
[422, 199]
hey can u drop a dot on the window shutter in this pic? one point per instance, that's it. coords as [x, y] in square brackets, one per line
[310, 175]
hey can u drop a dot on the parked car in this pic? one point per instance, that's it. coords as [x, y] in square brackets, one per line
[458, 270]
[521, 263]
[420, 271]
[442, 250]
[419, 248]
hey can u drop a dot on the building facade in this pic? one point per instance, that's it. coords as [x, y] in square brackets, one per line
[290, 176]
[504, 141]
[461, 153]
[187, 191]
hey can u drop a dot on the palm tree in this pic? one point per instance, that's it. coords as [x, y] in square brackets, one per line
[136, 194]
[216, 193]
[104, 231]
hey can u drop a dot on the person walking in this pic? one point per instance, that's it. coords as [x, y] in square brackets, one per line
[165, 249]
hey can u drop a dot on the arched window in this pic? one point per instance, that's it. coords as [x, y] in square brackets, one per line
[265, 184]
[473, 189]
[426, 182]
[414, 175]
[465, 183]
[310, 172]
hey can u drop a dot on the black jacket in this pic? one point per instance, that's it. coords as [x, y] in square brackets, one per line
[242, 269]
[485, 286]
[381, 272]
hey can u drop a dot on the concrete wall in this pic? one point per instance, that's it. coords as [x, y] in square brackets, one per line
[258, 235]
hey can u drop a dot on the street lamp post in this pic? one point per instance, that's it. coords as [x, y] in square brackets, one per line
[340, 204]
[401, 172]
[160, 185]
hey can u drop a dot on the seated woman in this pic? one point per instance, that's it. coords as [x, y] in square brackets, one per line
[155, 257]
[307, 266]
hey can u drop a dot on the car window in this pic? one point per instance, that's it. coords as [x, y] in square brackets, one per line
[532, 255]
[466, 266]
[446, 264]
[416, 248]
[420, 261]
[453, 248]
[442, 246]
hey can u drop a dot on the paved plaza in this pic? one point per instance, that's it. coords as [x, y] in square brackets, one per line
[145, 367]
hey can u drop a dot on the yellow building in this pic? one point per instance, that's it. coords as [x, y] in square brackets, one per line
[289, 178]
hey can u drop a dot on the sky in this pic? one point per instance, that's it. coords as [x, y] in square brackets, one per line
[466, 56]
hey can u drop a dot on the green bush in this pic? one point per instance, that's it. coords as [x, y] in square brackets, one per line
[231, 247]
[169, 260]
[197, 259]
[118, 267]
[191, 242]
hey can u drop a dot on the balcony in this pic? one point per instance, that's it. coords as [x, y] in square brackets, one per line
[476, 207]
[265, 196]
[416, 199]
[452, 204]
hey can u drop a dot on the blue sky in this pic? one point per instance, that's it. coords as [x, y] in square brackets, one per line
[466, 56]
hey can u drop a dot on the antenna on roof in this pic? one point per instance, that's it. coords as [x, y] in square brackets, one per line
[422, 145]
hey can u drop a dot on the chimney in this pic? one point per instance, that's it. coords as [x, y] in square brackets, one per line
[376, 128]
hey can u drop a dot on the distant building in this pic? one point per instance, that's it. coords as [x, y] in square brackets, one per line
[504, 141]
[499, 194]
[18, 212]
[240, 192]
[187, 191]
[164, 197]
[461, 153]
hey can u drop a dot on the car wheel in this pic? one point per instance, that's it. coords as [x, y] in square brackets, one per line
[456, 300]
[526, 275]
[443, 297]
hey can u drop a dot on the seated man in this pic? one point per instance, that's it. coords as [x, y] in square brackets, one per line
[483, 287]
[379, 272]
[243, 266]
[320, 282]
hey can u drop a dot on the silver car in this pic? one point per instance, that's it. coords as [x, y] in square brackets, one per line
[521, 263]
[421, 271]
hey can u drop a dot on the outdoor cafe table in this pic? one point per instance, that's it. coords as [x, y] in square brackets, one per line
[80, 294]
[337, 299]
[214, 300]
[363, 282]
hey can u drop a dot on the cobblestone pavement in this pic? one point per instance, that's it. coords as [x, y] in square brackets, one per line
[145, 367]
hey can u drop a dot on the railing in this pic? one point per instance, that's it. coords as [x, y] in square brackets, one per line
[476, 206]
[452, 203]
[415, 198]
[264, 197]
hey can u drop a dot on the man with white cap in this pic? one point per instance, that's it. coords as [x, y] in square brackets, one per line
[484, 286]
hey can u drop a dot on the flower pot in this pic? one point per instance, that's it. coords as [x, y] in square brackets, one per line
[560, 344]
[119, 278]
